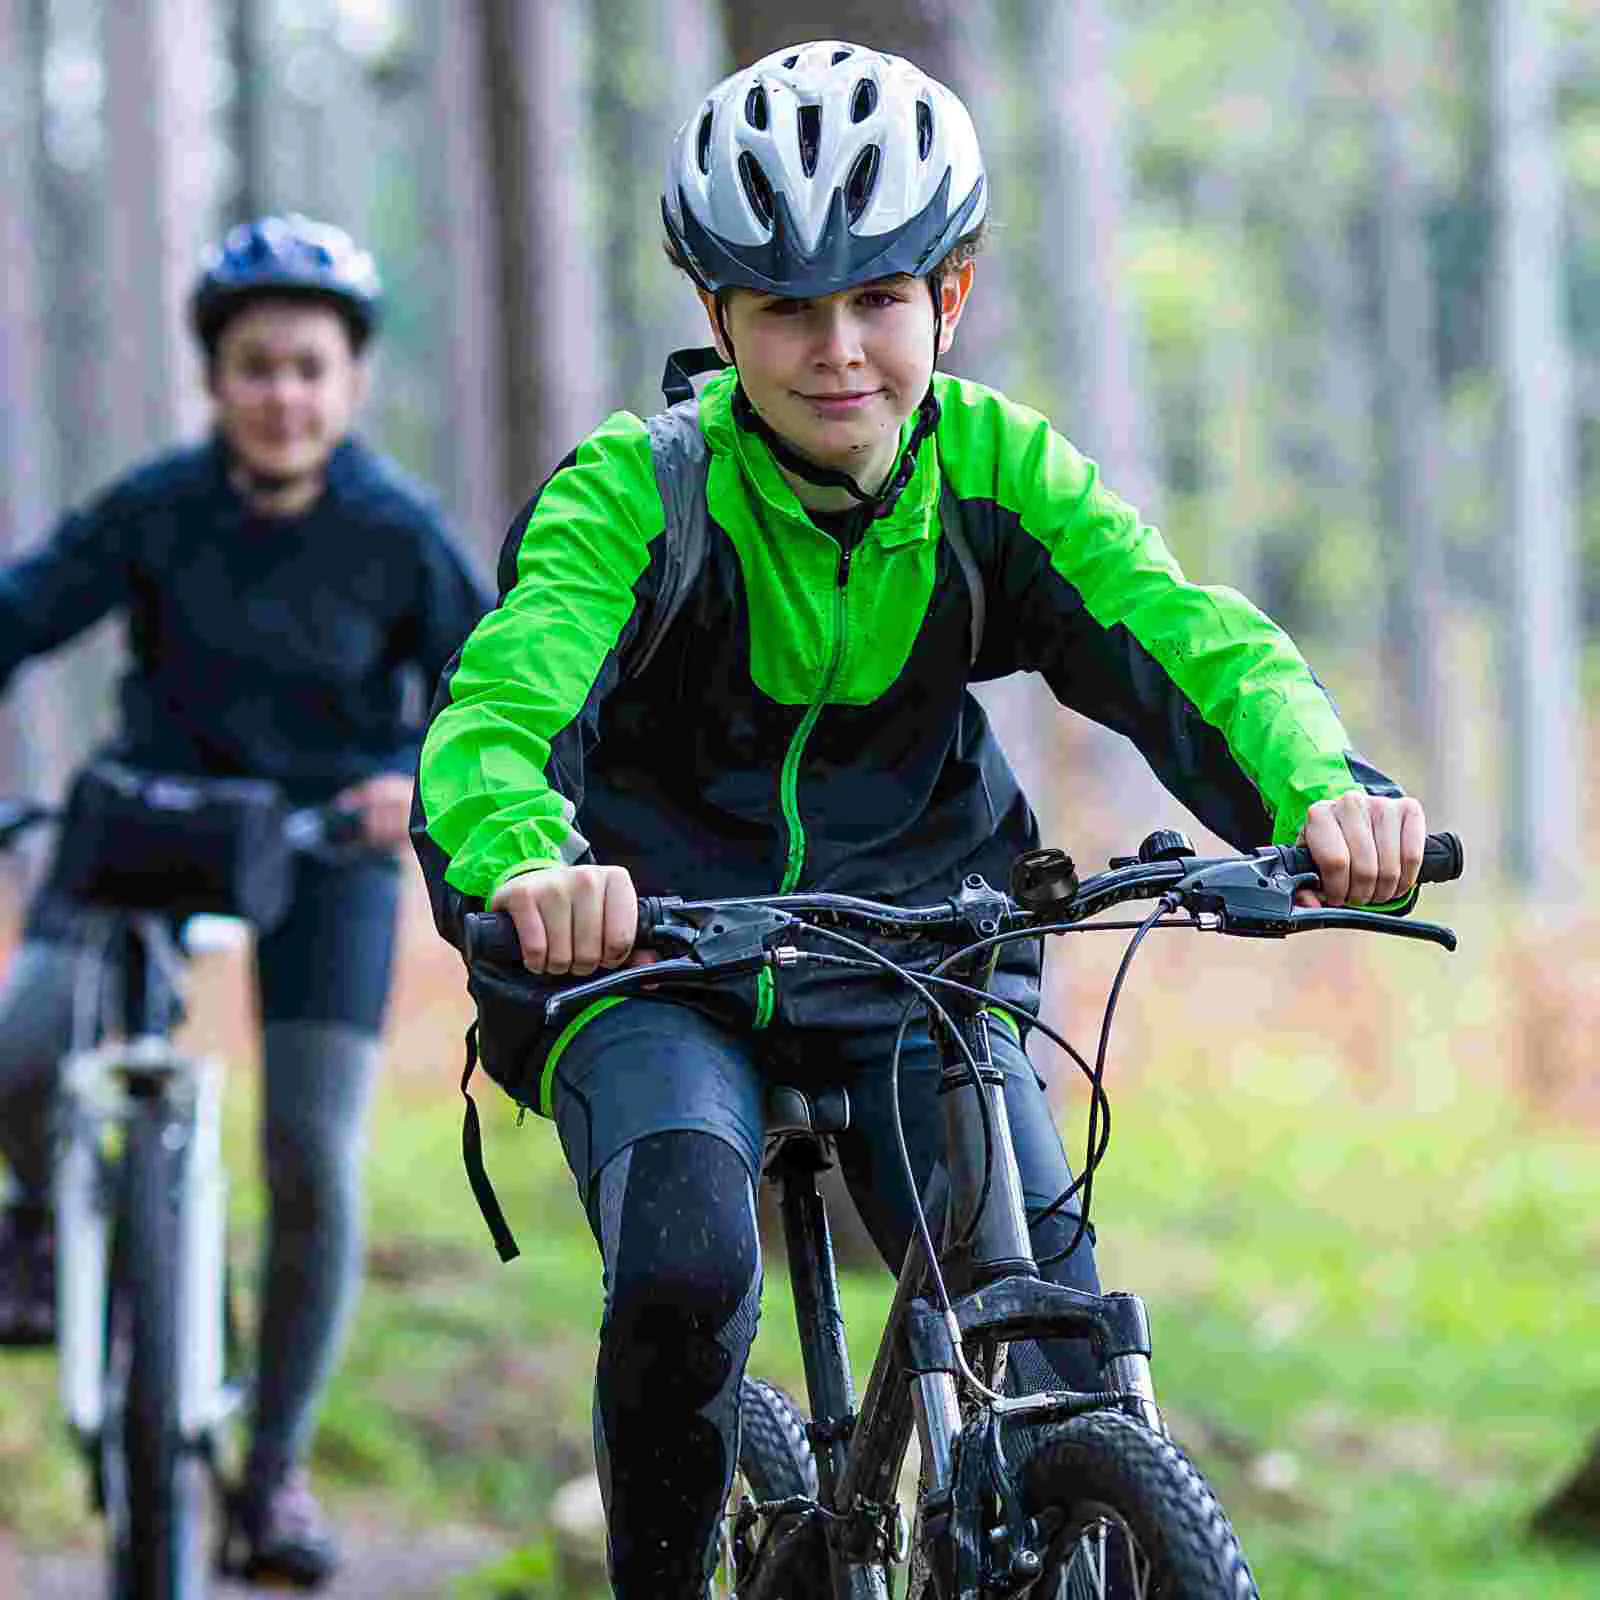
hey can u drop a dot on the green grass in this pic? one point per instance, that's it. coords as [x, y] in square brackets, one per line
[1379, 1329]
[1377, 1325]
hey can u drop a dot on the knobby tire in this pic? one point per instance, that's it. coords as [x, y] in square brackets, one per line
[156, 1528]
[1102, 1479]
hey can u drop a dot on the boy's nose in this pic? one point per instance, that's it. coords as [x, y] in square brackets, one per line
[839, 339]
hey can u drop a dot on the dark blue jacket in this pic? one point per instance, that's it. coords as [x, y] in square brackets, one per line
[269, 647]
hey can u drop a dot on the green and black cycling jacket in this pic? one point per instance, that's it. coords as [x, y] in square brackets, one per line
[805, 721]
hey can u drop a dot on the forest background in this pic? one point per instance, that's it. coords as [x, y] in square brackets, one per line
[1318, 283]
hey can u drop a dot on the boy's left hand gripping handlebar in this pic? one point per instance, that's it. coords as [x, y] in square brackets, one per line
[492, 935]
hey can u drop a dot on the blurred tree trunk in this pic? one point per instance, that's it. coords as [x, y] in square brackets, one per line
[655, 60]
[1534, 370]
[460, 195]
[247, 44]
[158, 215]
[1099, 385]
[917, 29]
[71, 172]
[557, 376]
[1234, 412]
[1332, 355]
[1083, 232]
[1408, 401]
[27, 477]
[979, 64]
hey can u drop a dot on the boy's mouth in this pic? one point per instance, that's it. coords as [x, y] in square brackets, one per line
[840, 404]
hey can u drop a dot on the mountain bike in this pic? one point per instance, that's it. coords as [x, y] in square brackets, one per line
[1056, 1494]
[147, 1344]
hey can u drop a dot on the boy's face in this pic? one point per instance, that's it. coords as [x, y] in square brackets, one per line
[285, 384]
[836, 376]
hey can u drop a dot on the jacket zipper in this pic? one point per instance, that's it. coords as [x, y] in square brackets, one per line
[789, 781]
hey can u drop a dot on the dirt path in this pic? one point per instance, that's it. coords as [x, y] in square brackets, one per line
[381, 1563]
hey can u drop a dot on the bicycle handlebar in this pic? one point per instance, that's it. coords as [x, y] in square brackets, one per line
[1249, 896]
[307, 828]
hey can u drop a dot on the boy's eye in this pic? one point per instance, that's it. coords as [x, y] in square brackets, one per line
[878, 298]
[309, 368]
[784, 308]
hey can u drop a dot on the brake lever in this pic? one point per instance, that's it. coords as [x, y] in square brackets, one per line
[1373, 922]
[717, 941]
[1251, 898]
[574, 997]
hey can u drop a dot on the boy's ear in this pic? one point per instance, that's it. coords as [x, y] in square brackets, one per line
[953, 291]
[709, 302]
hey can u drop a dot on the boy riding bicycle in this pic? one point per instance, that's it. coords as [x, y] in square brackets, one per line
[281, 582]
[732, 656]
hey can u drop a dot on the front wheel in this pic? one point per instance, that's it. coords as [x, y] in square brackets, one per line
[1123, 1515]
[154, 1483]
[779, 1558]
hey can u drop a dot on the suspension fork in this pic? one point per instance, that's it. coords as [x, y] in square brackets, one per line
[1001, 1245]
[997, 1222]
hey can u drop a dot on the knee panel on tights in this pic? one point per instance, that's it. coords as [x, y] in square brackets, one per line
[675, 1214]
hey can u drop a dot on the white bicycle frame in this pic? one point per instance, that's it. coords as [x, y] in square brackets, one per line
[96, 1103]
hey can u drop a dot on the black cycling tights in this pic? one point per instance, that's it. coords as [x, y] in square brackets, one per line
[675, 1218]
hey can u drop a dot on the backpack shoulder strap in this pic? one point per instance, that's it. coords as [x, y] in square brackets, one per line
[952, 524]
[679, 453]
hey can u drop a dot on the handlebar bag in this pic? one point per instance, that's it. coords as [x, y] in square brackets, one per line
[146, 841]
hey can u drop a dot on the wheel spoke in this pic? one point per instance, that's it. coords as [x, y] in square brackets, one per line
[1105, 1563]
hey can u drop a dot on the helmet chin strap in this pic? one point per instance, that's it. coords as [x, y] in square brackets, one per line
[875, 505]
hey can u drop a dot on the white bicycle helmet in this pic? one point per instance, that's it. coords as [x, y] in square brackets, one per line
[819, 168]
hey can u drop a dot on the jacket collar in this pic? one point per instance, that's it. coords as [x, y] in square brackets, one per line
[771, 494]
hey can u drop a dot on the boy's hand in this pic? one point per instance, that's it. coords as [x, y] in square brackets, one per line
[572, 919]
[384, 805]
[1368, 849]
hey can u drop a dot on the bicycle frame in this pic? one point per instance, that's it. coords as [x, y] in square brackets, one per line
[974, 1531]
[998, 1295]
[101, 1088]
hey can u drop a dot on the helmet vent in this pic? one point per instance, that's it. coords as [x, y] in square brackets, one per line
[810, 137]
[755, 107]
[756, 188]
[924, 130]
[702, 144]
[864, 101]
[789, 62]
[860, 184]
[838, 56]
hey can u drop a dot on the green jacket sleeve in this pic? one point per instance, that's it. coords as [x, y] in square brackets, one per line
[501, 771]
[1214, 694]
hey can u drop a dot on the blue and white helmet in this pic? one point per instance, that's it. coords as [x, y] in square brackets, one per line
[819, 168]
[287, 254]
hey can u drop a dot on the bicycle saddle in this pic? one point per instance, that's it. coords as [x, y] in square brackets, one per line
[791, 1110]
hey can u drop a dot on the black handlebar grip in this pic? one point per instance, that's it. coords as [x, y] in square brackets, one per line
[1441, 859]
[342, 827]
[651, 916]
[492, 936]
